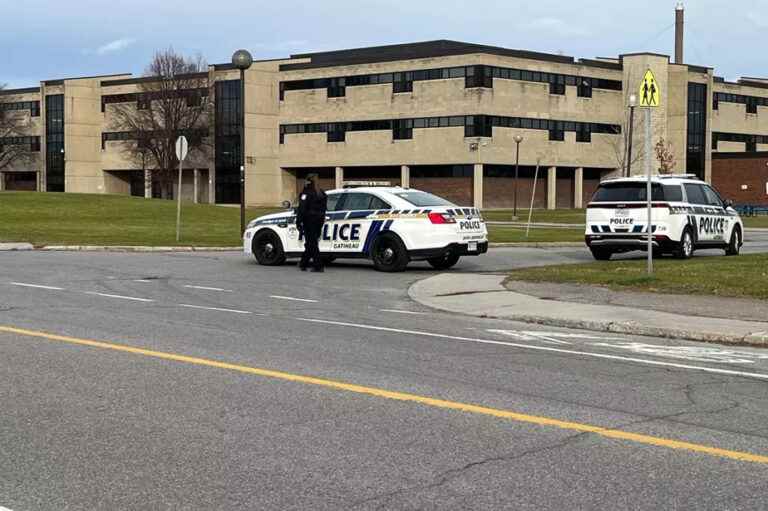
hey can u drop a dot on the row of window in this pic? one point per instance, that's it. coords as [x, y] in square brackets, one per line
[474, 76]
[752, 102]
[474, 126]
[751, 141]
[32, 143]
[143, 99]
[193, 136]
[32, 106]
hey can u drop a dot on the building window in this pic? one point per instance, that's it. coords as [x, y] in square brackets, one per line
[143, 103]
[227, 140]
[32, 106]
[585, 87]
[751, 105]
[478, 76]
[557, 88]
[583, 132]
[402, 82]
[54, 143]
[557, 135]
[697, 128]
[751, 145]
[336, 132]
[337, 88]
[402, 129]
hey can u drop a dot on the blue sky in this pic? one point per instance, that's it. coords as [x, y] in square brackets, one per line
[48, 39]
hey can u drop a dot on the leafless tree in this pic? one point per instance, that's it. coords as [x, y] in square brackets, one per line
[12, 149]
[665, 156]
[618, 146]
[173, 101]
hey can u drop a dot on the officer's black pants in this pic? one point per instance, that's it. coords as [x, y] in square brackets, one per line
[312, 231]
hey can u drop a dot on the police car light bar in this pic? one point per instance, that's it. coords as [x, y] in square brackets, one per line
[358, 184]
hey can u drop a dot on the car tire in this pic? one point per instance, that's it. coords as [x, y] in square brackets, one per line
[327, 260]
[601, 254]
[735, 244]
[267, 248]
[444, 262]
[389, 254]
[686, 246]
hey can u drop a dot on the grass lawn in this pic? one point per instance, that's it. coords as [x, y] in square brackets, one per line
[504, 234]
[741, 276]
[89, 219]
[557, 216]
[756, 221]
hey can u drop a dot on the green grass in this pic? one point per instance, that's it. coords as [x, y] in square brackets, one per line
[557, 216]
[756, 221]
[88, 219]
[503, 234]
[742, 276]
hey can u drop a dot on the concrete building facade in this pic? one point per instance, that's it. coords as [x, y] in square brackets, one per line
[440, 116]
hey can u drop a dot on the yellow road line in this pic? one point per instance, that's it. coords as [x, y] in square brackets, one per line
[402, 396]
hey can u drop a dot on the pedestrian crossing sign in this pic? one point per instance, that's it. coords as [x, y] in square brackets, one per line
[650, 94]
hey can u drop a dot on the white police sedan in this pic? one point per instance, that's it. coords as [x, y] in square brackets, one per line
[389, 225]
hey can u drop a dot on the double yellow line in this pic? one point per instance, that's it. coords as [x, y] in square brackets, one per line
[401, 396]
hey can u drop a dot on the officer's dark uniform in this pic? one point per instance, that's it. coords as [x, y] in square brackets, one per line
[309, 220]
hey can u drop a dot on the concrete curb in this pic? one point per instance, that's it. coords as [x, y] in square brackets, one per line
[128, 248]
[540, 244]
[7, 247]
[481, 296]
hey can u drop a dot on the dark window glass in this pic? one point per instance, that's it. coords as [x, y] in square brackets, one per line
[673, 193]
[227, 136]
[712, 198]
[584, 89]
[627, 192]
[402, 129]
[697, 128]
[336, 136]
[557, 88]
[54, 141]
[357, 201]
[478, 76]
[333, 201]
[695, 193]
[751, 146]
[378, 204]
[557, 135]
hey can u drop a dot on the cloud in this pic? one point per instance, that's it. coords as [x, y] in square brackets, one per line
[113, 46]
[557, 27]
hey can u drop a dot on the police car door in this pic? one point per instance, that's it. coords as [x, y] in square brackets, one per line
[295, 242]
[347, 233]
[703, 215]
[718, 224]
[335, 214]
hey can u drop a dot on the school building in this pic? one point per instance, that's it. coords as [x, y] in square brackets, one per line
[441, 116]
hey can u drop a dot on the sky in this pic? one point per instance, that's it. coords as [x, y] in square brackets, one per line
[50, 39]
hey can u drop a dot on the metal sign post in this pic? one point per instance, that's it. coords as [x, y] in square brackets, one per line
[650, 97]
[182, 148]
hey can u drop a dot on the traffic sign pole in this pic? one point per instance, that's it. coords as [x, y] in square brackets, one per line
[182, 148]
[649, 189]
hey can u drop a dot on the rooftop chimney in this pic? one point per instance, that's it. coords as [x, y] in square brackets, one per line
[679, 32]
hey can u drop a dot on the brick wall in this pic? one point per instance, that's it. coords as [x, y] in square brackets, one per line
[455, 189]
[499, 192]
[565, 189]
[731, 171]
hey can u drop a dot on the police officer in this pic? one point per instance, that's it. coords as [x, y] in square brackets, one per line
[309, 220]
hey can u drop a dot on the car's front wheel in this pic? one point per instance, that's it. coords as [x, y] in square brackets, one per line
[686, 246]
[389, 253]
[444, 261]
[267, 248]
[735, 244]
[601, 253]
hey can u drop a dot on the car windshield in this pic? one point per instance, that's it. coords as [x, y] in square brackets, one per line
[636, 192]
[423, 199]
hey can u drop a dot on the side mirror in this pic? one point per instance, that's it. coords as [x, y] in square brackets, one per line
[286, 204]
[728, 203]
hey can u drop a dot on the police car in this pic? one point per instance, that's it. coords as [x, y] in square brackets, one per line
[687, 214]
[389, 225]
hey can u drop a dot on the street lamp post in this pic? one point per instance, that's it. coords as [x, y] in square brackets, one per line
[518, 139]
[632, 105]
[242, 60]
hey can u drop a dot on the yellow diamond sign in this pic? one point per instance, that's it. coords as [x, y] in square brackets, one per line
[650, 93]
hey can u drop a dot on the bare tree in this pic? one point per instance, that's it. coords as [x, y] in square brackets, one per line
[618, 147]
[173, 101]
[13, 148]
[665, 155]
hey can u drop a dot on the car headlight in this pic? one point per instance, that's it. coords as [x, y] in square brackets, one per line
[251, 224]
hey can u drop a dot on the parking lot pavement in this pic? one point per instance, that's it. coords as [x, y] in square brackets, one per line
[204, 380]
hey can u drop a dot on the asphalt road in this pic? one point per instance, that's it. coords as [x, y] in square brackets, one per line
[203, 381]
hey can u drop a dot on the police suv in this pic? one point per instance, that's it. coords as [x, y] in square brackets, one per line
[686, 214]
[389, 225]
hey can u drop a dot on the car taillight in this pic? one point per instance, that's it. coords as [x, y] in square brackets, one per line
[441, 218]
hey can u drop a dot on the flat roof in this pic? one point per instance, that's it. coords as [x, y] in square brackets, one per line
[13, 92]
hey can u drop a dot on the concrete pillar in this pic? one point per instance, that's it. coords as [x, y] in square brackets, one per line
[339, 177]
[147, 184]
[195, 185]
[211, 185]
[477, 185]
[552, 188]
[2, 181]
[405, 176]
[578, 188]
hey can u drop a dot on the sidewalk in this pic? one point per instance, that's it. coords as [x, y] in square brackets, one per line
[485, 296]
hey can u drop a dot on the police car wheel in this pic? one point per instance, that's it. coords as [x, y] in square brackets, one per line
[444, 262]
[268, 249]
[686, 246]
[389, 254]
[735, 244]
[601, 254]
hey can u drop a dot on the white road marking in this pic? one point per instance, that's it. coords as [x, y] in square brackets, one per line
[278, 297]
[697, 353]
[210, 288]
[4, 508]
[528, 336]
[396, 311]
[543, 348]
[214, 309]
[121, 297]
[37, 286]
[142, 280]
